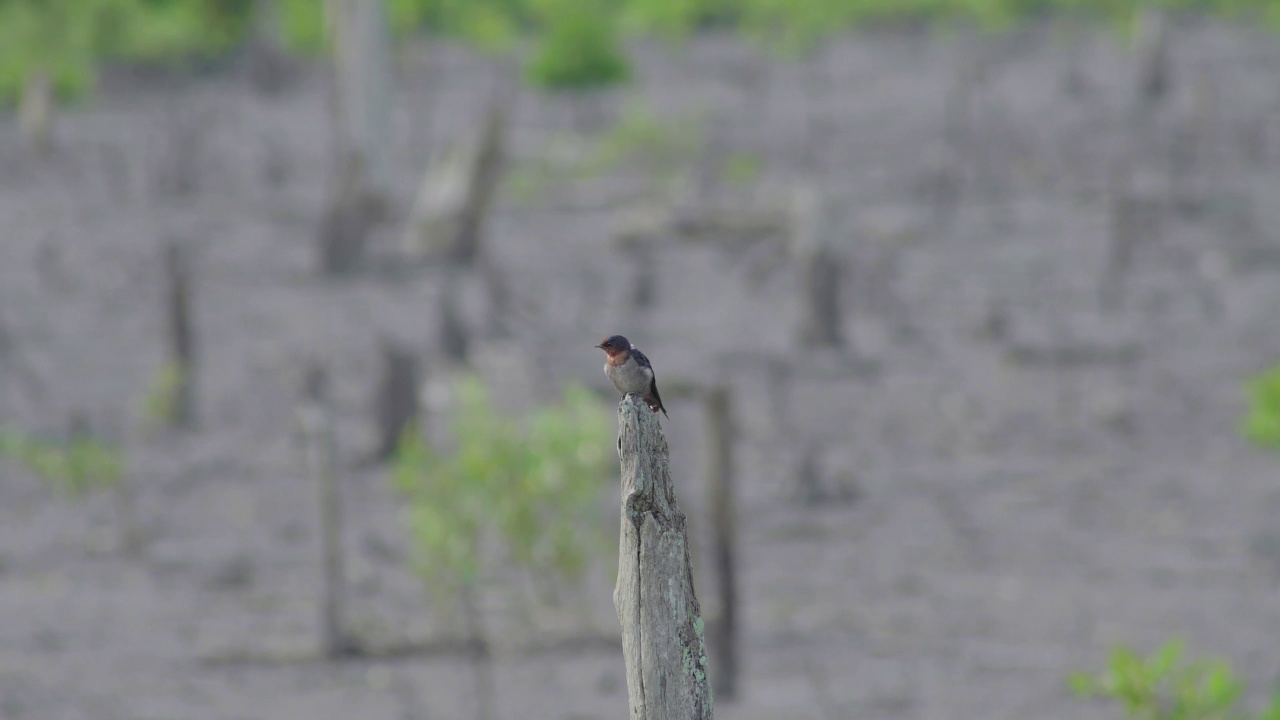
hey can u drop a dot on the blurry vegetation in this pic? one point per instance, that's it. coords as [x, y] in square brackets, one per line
[1164, 687]
[161, 404]
[581, 48]
[664, 150]
[741, 168]
[533, 488]
[73, 467]
[579, 42]
[1261, 423]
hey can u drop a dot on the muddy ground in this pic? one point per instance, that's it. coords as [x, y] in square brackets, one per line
[1000, 478]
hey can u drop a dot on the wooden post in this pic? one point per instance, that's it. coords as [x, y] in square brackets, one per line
[819, 221]
[36, 110]
[181, 340]
[662, 629]
[1153, 81]
[724, 544]
[316, 424]
[363, 70]
[451, 332]
[482, 186]
[396, 404]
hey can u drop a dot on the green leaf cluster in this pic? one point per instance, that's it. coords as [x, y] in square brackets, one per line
[579, 41]
[1164, 687]
[641, 142]
[73, 467]
[160, 403]
[1261, 424]
[533, 487]
[581, 47]
[66, 39]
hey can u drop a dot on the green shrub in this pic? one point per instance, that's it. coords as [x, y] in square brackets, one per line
[1261, 423]
[73, 467]
[741, 168]
[533, 487]
[581, 48]
[664, 151]
[160, 404]
[1163, 687]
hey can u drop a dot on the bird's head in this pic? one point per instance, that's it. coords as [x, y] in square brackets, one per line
[614, 344]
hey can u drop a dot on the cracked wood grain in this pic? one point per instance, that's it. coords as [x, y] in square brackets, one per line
[662, 630]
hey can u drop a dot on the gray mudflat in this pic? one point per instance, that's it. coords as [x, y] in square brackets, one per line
[1018, 504]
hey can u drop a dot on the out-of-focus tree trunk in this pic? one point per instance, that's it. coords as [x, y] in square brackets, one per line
[361, 41]
[35, 112]
[269, 68]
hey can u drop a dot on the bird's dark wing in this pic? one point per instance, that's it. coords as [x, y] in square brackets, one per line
[641, 359]
[643, 362]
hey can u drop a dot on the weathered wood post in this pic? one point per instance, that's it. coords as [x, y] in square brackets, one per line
[662, 631]
[723, 511]
[316, 425]
[181, 338]
[396, 403]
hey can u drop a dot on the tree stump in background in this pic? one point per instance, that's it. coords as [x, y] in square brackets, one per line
[662, 629]
[820, 316]
[817, 225]
[454, 199]
[36, 111]
[1153, 66]
[451, 333]
[723, 509]
[361, 41]
[315, 421]
[396, 404]
[181, 336]
[350, 216]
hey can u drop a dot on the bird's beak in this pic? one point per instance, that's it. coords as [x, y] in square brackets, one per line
[601, 346]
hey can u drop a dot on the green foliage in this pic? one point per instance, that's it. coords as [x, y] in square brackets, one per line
[643, 141]
[580, 42]
[1261, 423]
[73, 467]
[46, 36]
[67, 38]
[741, 169]
[1163, 687]
[160, 404]
[581, 48]
[533, 487]
[640, 142]
[677, 19]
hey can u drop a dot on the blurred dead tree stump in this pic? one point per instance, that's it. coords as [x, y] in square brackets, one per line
[315, 424]
[396, 403]
[451, 333]
[361, 107]
[662, 630]
[1134, 221]
[268, 65]
[361, 42]
[182, 151]
[754, 237]
[1153, 79]
[722, 506]
[454, 199]
[818, 225]
[181, 334]
[36, 109]
[350, 216]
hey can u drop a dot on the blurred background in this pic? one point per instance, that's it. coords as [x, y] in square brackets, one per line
[962, 309]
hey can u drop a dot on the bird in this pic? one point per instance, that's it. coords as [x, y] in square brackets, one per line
[631, 372]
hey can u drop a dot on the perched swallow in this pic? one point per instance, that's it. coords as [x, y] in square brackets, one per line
[631, 372]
